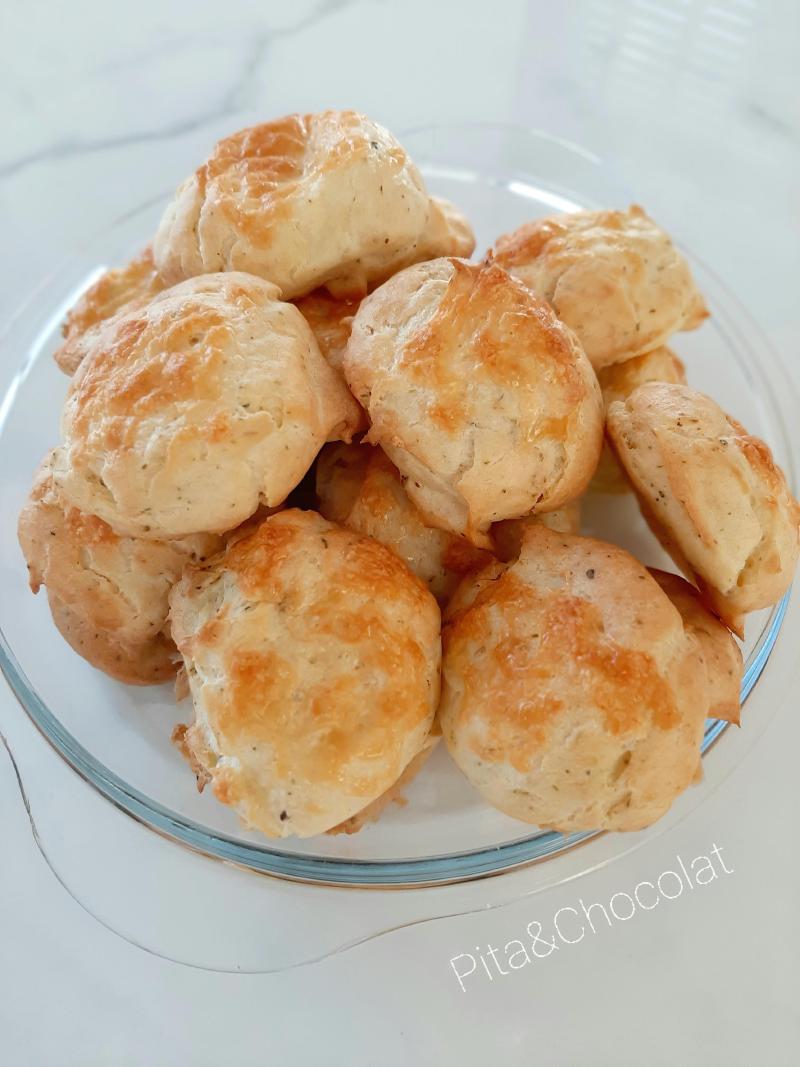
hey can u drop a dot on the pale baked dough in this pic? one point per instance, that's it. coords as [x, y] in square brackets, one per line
[107, 594]
[447, 233]
[115, 292]
[313, 660]
[722, 655]
[572, 697]
[303, 201]
[476, 392]
[187, 414]
[358, 486]
[616, 383]
[615, 277]
[712, 494]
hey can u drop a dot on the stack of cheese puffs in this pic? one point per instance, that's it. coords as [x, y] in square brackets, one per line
[327, 470]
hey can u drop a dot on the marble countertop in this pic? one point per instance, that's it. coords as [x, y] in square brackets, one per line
[695, 103]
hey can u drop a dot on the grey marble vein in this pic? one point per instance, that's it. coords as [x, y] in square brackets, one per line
[233, 100]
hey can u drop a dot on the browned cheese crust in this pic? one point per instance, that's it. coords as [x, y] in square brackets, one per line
[313, 661]
[572, 697]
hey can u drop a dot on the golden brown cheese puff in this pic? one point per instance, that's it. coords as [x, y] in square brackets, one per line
[107, 594]
[477, 393]
[302, 201]
[571, 695]
[713, 495]
[615, 277]
[190, 412]
[313, 658]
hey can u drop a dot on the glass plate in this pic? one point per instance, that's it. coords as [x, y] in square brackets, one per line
[117, 737]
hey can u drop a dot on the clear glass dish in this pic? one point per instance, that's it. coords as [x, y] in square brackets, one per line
[117, 737]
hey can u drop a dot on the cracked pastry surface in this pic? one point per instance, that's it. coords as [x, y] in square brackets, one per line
[264, 199]
[358, 486]
[190, 412]
[476, 392]
[107, 594]
[115, 292]
[614, 277]
[572, 696]
[712, 493]
[723, 657]
[313, 661]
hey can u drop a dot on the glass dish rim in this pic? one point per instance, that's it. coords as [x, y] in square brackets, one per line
[326, 870]
[260, 858]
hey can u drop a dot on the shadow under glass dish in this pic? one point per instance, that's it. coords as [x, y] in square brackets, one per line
[117, 737]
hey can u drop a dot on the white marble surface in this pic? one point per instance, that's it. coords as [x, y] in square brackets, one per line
[697, 105]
